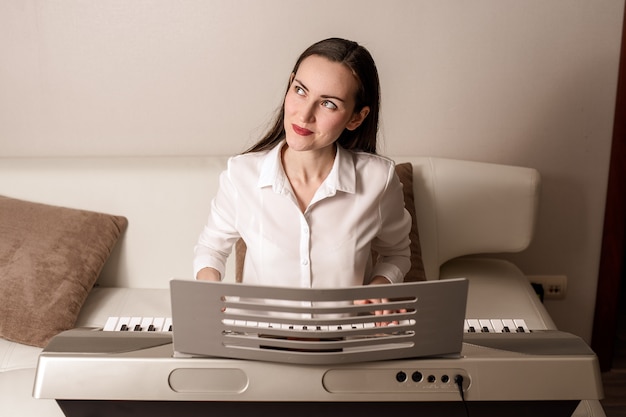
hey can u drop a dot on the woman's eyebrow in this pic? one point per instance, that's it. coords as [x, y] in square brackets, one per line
[323, 96]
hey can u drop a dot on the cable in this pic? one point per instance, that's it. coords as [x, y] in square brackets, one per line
[458, 380]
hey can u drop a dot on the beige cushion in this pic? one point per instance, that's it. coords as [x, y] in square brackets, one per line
[50, 258]
[416, 273]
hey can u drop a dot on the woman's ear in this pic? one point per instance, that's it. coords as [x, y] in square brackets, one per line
[357, 118]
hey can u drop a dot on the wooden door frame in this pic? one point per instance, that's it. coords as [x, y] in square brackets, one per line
[612, 262]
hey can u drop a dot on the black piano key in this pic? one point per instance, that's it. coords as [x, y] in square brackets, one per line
[151, 328]
[124, 328]
[485, 329]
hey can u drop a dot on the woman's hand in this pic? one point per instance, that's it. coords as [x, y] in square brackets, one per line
[380, 280]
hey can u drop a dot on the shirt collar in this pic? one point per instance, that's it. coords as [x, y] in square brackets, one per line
[342, 176]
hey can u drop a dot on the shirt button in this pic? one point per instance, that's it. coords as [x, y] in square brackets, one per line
[305, 262]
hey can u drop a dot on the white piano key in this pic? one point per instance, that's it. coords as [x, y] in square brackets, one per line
[110, 324]
[498, 326]
[134, 324]
[485, 326]
[167, 326]
[520, 326]
[268, 325]
[158, 323]
[474, 326]
[122, 324]
[465, 326]
[509, 325]
[145, 324]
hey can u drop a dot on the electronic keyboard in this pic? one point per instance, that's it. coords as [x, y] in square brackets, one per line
[164, 324]
[134, 373]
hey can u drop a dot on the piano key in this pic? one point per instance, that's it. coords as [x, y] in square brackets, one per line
[122, 324]
[134, 325]
[521, 326]
[509, 326]
[158, 324]
[498, 326]
[474, 325]
[110, 324]
[146, 323]
[167, 326]
[268, 325]
[485, 326]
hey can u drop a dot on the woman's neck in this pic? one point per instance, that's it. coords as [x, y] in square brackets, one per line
[309, 166]
[306, 171]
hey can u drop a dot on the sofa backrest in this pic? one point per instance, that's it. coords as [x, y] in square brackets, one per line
[462, 207]
[466, 208]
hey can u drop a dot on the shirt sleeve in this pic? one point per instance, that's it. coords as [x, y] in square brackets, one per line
[218, 236]
[392, 243]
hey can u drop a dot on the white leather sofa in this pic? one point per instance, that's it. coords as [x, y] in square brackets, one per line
[463, 208]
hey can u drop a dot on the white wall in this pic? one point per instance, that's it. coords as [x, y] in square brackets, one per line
[528, 83]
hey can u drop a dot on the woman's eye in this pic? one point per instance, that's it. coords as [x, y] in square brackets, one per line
[329, 105]
[299, 90]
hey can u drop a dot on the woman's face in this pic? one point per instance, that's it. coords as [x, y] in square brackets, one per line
[320, 103]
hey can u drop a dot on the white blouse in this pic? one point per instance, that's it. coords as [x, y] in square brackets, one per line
[359, 207]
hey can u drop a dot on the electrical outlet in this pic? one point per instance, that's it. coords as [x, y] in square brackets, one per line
[554, 286]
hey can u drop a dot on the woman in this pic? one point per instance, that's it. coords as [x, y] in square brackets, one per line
[312, 199]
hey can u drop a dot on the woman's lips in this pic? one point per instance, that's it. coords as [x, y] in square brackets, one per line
[300, 130]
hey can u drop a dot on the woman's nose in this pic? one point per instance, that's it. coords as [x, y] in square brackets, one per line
[307, 113]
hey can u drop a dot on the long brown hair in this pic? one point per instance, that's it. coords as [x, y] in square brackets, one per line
[362, 65]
